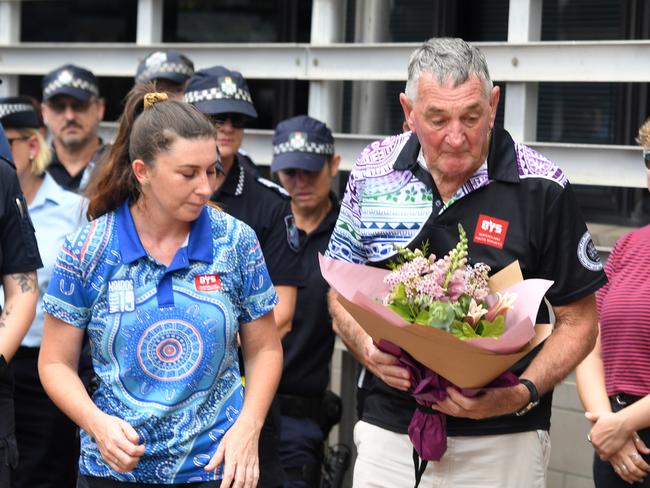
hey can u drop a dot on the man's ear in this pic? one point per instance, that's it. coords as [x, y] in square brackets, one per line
[101, 108]
[407, 107]
[334, 163]
[494, 104]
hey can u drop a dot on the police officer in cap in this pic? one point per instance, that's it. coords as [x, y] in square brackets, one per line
[305, 162]
[170, 70]
[19, 260]
[72, 111]
[223, 95]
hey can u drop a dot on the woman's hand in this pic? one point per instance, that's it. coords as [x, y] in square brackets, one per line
[118, 442]
[238, 451]
[628, 463]
[608, 433]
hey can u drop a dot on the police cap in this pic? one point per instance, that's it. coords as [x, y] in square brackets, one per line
[18, 113]
[301, 143]
[70, 80]
[165, 65]
[218, 90]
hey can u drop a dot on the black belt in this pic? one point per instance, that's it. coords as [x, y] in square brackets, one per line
[623, 399]
[301, 407]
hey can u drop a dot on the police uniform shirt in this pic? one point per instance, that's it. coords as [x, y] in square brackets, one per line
[18, 248]
[517, 206]
[164, 338]
[78, 182]
[18, 254]
[308, 347]
[55, 213]
[267, 209]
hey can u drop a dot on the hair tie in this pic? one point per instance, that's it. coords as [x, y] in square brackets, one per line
[152, 98]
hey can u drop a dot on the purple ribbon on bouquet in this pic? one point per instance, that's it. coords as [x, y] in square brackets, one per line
[428, 428]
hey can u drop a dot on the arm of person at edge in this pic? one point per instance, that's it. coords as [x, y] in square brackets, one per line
[362, 347]
[285, 308]
[238, 450]
[573, 338]
[590, 378]
[118, 442]
[21, 296]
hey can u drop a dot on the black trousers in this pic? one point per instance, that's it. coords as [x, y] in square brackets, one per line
[603, 471]
[91, 482]
[8, 451]
[48, 442]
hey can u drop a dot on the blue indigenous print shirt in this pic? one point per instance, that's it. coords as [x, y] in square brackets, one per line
[164, 339]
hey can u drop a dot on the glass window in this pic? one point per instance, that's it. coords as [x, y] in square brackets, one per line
[236, 21]
[79, 21]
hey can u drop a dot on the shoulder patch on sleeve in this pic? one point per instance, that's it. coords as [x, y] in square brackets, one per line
[273, 186]
[588, 254]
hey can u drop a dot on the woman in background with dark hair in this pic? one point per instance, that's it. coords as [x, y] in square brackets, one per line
[19, 260]
[164, 284]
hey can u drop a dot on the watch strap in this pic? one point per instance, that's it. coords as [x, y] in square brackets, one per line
[534, 397]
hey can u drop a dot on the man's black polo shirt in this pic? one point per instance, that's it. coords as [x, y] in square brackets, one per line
[308, 347]
[78, 182]
[262, 205]
[526, 212]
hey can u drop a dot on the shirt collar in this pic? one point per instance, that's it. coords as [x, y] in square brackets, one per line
[49, 190]
[131, 247]
[501, 160]
[234, 183]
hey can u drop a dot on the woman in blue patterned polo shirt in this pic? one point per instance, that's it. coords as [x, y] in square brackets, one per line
[163, 284]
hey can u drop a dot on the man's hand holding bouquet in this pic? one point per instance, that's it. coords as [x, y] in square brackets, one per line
[449, 323]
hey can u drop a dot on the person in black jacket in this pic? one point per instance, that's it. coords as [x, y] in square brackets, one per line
[19, 260]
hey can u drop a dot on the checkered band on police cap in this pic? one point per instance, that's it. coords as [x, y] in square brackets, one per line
[298, 143]
[169, 65]
[18, 113]
[14, 108]
[217, 93]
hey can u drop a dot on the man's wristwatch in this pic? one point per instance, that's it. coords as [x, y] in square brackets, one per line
[534, 397]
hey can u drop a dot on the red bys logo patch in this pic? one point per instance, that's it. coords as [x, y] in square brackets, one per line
[490, 231]
[208, 282]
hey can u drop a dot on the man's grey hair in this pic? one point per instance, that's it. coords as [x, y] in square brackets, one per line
[447, 60]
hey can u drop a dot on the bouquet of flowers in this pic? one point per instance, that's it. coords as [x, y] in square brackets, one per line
[448, 323]
[446, 293]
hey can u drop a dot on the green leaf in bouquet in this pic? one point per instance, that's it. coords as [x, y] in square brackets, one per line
[461, 306]
[402, 309]
[441, 315]
[422, 317]
[398, 294]
[463, 330]
[494, 328]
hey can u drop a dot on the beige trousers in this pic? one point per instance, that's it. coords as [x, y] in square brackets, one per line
[384, 460]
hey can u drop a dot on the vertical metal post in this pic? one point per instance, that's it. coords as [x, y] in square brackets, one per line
[524, 25]
[369, 97]
[9, 34]
[150, 22]
[327, 27]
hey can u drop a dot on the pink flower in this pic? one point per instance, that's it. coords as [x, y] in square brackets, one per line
[456, 285]
[504, 303]
[475, 313]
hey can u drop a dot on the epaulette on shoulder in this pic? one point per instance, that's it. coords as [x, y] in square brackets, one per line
[274, 186]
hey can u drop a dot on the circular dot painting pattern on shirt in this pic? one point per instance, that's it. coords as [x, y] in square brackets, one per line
[170, 350]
